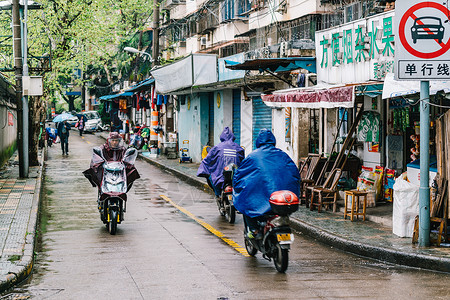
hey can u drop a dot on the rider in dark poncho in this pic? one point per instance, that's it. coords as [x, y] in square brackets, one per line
[266, 170]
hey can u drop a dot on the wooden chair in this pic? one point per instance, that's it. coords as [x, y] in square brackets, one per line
[326, 194]
[310, 165]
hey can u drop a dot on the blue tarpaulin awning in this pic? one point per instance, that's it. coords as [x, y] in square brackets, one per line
[275, 64]
[109, 97]
[142, 85]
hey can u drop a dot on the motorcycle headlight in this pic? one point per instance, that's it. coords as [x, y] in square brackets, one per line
[280, 221]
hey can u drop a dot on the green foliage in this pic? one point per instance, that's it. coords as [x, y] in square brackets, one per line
[81, 34]
[103, 114]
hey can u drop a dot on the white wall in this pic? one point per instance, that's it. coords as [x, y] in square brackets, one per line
[246, 126]
[227, 31]
[279, 130]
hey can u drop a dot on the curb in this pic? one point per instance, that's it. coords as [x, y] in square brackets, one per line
[374, 252]
[24, 266]
[187, 178]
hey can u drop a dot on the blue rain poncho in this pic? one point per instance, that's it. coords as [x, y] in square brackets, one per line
[221, 155]
[266, 170]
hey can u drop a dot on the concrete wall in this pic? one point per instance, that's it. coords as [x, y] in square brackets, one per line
[223, 115]
[8, 132]
[193, 124]
[300, 133]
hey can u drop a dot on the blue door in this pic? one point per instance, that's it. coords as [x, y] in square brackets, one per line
[262, 118]
[237, 115]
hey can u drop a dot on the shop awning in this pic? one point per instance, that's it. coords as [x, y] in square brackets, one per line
[393, 88]
[370, 90]
[193, 70]
[110, 97]
[140, 86]
[276, 64]
[320, 96]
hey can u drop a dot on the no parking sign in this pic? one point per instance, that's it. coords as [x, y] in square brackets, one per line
[422, 40]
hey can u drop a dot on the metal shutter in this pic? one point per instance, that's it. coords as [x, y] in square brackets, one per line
[262, 118]
[237, 115]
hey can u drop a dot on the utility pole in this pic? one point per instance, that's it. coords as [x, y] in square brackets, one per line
[155, 27]
[22, 138]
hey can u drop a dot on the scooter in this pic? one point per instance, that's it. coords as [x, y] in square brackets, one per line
[225, 201]
[114, 179]
[277, 235]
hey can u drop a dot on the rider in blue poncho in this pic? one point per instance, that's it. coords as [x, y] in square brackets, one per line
[266, 170]
[221, 155]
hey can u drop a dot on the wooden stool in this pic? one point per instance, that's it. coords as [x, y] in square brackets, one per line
[354, 210]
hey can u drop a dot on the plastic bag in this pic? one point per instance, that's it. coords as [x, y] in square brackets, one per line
[366, 181]
[406, 206]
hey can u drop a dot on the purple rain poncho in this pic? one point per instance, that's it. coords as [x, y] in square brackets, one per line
[221, 155]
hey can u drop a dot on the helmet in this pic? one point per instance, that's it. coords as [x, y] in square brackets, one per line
[114, 141]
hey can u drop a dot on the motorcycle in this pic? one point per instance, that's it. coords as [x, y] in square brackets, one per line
[114, 179]
[277, 236]
[225, 201]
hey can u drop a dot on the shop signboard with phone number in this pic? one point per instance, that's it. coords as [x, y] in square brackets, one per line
[422, 40]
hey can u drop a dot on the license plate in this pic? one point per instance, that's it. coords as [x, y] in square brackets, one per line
[284, 237]
[230, 198]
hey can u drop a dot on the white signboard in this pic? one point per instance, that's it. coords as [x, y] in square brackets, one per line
[422, 40]
[358, 51]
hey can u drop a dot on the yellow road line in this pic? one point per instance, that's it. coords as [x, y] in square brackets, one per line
[208, 227]
[88, 142]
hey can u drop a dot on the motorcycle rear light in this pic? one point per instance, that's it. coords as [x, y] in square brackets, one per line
[228, 189]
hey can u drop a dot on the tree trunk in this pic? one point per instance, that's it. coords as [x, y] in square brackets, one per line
[36, 116]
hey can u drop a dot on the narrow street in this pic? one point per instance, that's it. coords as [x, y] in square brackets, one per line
[161, 253]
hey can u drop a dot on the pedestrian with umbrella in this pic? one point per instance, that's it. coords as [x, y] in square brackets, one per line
[63, 131]
[81, 123]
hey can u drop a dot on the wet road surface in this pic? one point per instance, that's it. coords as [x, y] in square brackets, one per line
[160, 252]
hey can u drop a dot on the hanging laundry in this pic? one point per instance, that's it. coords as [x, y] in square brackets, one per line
[147, 101]
[123, 105]
[159, 100]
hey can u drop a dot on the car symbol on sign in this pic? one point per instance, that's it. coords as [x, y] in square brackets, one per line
[425, 28]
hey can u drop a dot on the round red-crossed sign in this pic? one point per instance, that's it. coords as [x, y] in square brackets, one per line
[401, 31]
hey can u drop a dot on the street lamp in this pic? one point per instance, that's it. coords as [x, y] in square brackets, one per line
[134, 50]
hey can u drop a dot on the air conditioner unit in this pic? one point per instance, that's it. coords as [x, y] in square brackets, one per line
[203, 41]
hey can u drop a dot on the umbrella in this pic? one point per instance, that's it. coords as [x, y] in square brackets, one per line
[62, 117]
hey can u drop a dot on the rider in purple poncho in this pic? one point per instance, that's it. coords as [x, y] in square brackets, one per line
[221, 155]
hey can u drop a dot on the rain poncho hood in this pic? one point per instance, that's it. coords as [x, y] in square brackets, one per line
[266, 170]
[221, 155]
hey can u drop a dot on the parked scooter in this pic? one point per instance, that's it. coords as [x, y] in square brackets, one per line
[114, 179]
[277, 236]
[225, 201]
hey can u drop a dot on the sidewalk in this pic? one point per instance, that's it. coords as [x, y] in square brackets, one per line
[19, 203]
[372, 238]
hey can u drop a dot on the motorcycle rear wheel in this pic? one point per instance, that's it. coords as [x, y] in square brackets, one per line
[219, 206]
[251, 250]
[112, 225]
[231, 213]
[281, 258]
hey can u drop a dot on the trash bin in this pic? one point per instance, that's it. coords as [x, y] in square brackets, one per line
[405, 207]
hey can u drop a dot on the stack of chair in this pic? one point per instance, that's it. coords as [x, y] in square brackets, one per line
[326, 194]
